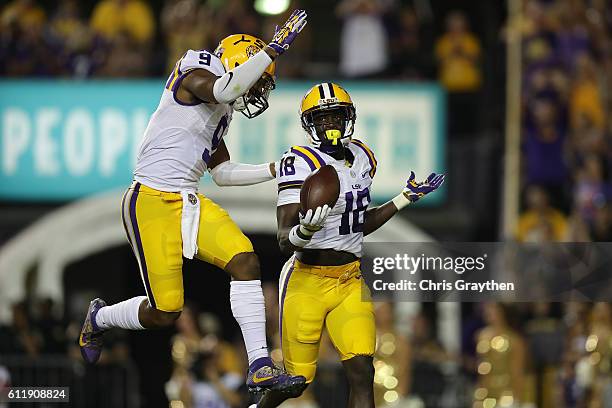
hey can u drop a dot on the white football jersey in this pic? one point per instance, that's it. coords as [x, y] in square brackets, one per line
[343, 229]
[180, 138]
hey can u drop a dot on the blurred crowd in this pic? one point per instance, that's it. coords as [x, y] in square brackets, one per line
[523, 355]
[540, 354]
[360, 39]
[372, 39]
[567, 131]
[36, 330]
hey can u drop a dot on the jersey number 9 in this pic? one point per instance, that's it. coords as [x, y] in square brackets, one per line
[217, 135]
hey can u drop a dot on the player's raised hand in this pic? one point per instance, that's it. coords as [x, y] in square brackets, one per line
[313, 221]
[284, 35]
[415, 190]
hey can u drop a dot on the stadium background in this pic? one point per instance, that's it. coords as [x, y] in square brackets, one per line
[516, 97]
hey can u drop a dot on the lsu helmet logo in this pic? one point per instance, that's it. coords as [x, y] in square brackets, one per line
[328, 101]
[251, 50]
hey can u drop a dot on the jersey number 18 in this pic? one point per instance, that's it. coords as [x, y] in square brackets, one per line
[356, 205]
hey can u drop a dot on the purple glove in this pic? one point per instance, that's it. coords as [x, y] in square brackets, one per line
[414, 191]
[284, 36]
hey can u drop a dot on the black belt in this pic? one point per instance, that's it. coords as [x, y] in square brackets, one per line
[325, 257]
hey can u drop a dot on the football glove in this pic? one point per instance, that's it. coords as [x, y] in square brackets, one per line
[284, 36]
[415, 190]
[310, 223]
[313, 221]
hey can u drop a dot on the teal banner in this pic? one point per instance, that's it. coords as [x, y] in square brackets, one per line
[62, 140]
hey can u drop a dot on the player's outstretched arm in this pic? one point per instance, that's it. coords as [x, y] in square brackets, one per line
[236, 82]
[225, 173]
[376, 217]
[414, 191]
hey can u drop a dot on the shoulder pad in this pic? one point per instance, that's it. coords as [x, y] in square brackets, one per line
[368, 153]
[309, 155]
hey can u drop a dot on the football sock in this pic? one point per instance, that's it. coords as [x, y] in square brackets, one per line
[123, 315]
[249, 309]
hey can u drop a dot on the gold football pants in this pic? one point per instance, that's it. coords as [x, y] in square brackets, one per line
[152, 221]
[312, 297]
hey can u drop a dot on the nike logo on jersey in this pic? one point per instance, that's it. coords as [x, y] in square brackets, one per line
[364, 174]
[231, 75]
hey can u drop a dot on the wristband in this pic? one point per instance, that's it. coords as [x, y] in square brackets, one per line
[400, 201]
[296, 239]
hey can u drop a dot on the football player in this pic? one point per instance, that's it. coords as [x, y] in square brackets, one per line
[321, 284]
[164, 216]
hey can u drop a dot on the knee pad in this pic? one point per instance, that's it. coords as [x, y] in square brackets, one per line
[170, 301]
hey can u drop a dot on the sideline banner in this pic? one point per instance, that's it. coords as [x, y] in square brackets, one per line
[62, 140]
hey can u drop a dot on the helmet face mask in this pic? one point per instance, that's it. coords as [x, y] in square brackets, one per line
[328, 119]
[328, 125]
[255, 101]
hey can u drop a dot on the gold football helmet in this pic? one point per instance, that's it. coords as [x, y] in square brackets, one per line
[236, 49]
[328, 115]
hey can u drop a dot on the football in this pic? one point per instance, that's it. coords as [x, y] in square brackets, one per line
[320, 187]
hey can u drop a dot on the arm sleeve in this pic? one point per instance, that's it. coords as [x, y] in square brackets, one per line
[290, 174]
[239, 174]
[240, 79]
